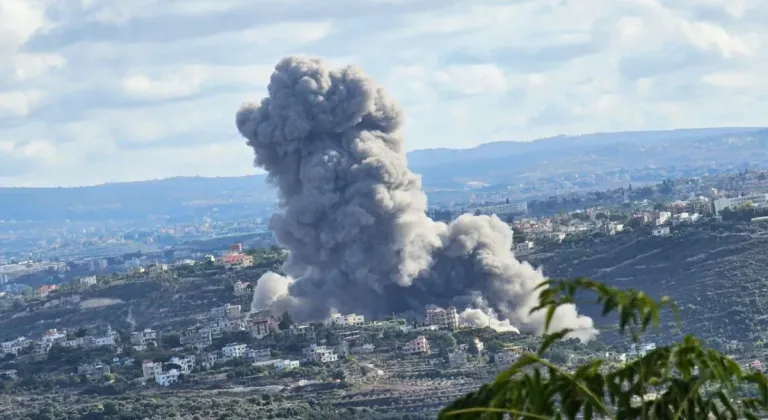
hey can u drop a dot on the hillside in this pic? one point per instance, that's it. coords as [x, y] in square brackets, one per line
[717, 274]
[648, 156]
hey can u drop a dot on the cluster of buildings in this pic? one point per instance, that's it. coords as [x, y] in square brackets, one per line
[100, 336]
[228, 318]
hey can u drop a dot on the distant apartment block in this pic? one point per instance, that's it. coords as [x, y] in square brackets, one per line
[757, 200]
[88, 281]
[501, 209]
[442, 318]
[660, 231]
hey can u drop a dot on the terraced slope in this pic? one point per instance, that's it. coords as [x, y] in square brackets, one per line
[717, 274]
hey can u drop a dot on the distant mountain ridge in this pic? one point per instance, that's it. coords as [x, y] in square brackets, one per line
[584, 156]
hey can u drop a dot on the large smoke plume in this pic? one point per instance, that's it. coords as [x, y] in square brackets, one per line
[353, 214]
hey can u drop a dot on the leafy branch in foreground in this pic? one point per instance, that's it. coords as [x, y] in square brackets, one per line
[681, 381]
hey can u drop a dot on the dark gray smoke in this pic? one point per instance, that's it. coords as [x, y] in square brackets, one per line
[353, 215]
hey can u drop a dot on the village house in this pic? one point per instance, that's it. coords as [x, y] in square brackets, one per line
[167, 378]
[416, 346]
[319, 354]
[236, 261]
[186, 364]
[241, 288]
[234, 350]
[93, 370]
[348, 320]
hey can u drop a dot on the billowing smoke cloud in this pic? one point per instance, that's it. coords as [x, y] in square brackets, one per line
[353, 215]
[270, 291]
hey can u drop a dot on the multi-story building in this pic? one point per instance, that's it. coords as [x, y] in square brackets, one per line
[209, 359]
[258, 355]
[287, 364]
[196, 338]
[417, 345]
[150, 369]
[186, 364]
[443, 318]
[15, 346]
[506, 358]
[348, 320]
[241, 288]
[319, 354]
[167, 378]
[757, 200]
[93, 370]
[234, 350]
[261, 326]
[641, 349]
[144, 338]
[457, 358]
[227, 311]
[88, 281]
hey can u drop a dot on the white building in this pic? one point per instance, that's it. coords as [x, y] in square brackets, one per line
[187, 363]
[524, 247]
[228, 311]
[757, 200]
[88, 281]
[664, 217]
[642, 349]
[144, 338]
[501, 209]
[416, 346]
[348, 320]
[258, 355]
[241, 288]
[15, 346]
[150, 369]
[287, 364]
[167, 378]
[319, 354]
[234, 350]
[661, 231]
[443, 318]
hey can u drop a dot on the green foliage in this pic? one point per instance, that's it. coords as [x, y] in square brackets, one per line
[680, 381]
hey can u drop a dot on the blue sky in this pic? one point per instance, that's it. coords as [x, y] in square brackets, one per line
[95, 91]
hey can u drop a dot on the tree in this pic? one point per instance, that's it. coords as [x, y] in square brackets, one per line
[682, 381]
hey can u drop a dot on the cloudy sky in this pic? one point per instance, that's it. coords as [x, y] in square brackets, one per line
[95, 91]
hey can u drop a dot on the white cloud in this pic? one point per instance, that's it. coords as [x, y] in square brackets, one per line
[18, 103]
[91, 88]
[473, 79]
